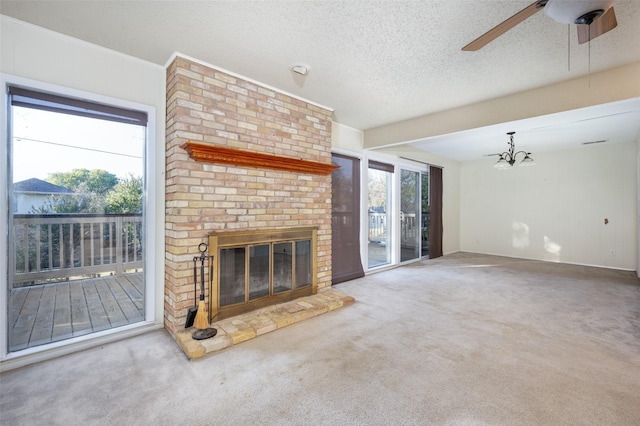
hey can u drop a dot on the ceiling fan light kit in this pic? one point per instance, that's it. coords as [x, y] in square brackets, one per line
[508, 158]
[579, 12]
[592, 17]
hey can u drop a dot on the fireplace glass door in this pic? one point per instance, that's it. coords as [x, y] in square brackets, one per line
[303, 264]
[232, 274]
[282, 267]
[258, 271]
[252, 272]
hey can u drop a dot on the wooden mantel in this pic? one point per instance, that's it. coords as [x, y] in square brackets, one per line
[223, 155]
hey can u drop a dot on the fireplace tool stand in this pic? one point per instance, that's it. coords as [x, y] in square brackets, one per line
[202, 318]
[191, 313]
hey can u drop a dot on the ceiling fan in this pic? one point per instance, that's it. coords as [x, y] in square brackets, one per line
[592, 17]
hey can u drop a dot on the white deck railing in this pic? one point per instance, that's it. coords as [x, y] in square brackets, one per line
[410, 228]
[75, 245]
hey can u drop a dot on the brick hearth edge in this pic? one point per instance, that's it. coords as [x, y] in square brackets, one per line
[241, 328]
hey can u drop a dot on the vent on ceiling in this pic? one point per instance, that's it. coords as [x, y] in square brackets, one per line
[594, 142]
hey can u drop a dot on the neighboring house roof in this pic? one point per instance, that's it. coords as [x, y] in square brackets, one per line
[38, 186]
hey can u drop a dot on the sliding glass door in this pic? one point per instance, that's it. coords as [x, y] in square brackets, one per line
[380, 183]
[410, 223]
[76, 196]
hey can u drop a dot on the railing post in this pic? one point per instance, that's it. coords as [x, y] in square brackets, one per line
[119, 257]
[92, 244]
[26, 248]
[82, 255]
[38, 248]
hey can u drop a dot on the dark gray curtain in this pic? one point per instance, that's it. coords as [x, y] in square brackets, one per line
[435, 201]
[345, 220]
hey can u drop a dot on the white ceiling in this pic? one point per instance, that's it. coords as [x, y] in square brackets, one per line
[374, 62]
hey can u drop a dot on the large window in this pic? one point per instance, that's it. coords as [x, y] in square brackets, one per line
[76, 184]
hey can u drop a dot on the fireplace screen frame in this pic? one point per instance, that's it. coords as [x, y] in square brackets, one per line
[222, 240]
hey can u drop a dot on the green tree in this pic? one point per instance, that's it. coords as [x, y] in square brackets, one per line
[90, 188]
[95, 191]
[409, 191]
[377, 189]
[126, 196]
[75, 203]
[425, 193]
[95, 181]
[82, 201]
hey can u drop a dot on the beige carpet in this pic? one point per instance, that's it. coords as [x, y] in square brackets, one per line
[461, 340]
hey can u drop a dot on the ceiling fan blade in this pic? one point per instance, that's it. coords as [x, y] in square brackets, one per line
[502, 28]
[599, 26]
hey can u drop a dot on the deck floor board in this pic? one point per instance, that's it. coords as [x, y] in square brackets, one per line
[62, 313]
[80, 323]
[53, 312]
[43, 326]
[131, 310]
[97, 313]
[115, 316]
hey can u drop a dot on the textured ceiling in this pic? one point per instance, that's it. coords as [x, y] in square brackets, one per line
[373, 62]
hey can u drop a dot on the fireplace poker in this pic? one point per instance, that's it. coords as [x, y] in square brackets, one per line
[201, 321]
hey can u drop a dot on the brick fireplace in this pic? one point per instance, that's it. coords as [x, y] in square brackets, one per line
[208, 106]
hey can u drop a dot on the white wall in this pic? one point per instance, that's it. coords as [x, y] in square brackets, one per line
[451, 208]
[30, 52]
[26, 203]
[346, 138]
[555, 210]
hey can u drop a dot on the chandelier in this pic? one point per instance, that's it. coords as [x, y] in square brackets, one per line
[508, 158]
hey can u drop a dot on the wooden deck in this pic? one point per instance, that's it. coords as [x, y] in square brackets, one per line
[52, 312]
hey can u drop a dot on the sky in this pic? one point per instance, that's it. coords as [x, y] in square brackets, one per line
[46, 142]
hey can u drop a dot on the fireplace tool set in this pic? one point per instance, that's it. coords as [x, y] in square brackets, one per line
[198, 316]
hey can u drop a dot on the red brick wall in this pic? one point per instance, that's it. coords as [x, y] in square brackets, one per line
[210, 106]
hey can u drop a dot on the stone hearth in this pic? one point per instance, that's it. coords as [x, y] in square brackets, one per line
[241, 328]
